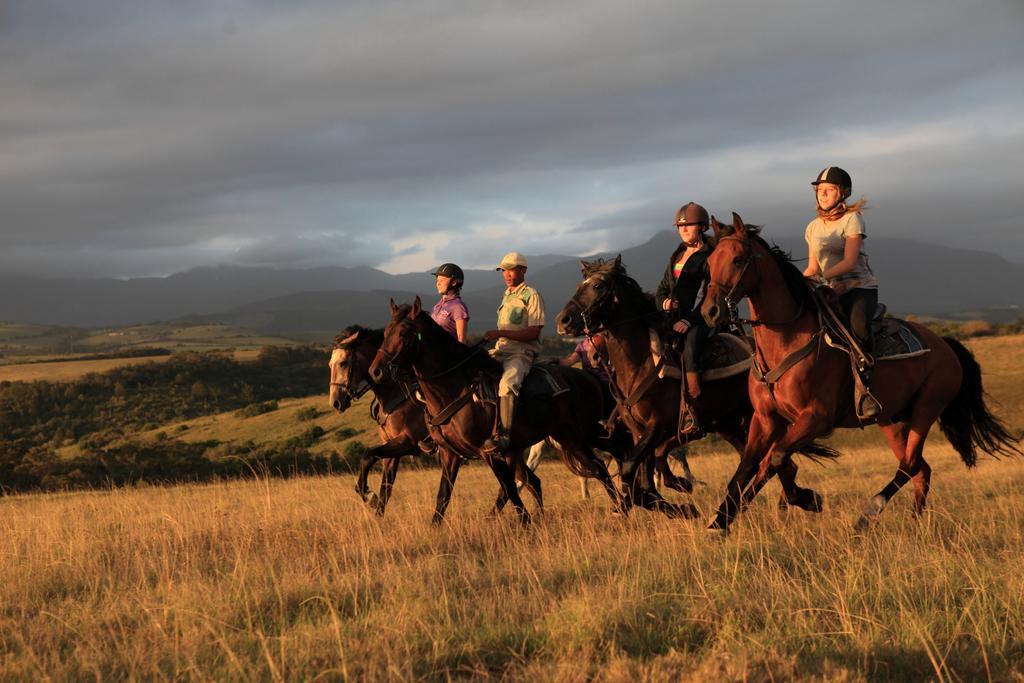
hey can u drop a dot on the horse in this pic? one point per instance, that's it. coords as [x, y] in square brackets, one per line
[399, 418]
[450, 375]
[609, 300]
[802, 388]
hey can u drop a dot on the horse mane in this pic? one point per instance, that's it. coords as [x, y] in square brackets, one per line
[375, 337]
[628, 287]
[452, 348]
[794, 278]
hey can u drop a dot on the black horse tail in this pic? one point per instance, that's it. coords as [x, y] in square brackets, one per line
[967, 421]
[817, 452]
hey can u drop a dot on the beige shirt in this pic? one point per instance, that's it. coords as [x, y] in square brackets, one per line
[826, 242]
[520, 308]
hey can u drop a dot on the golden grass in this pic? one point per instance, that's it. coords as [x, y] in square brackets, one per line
[295, 580]
[71, 370]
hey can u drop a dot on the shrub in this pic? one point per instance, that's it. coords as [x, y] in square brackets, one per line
[976, 328]
[254, 409]
[308, 413]
[343, 433]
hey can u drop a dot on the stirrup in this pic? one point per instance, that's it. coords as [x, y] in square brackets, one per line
[497, 444]
[428, 446]
[868, 407]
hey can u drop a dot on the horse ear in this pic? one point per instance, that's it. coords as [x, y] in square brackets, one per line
[347, 340]
[719, 228]
[417, 306]
[394, 308]
[618, 262]
[585, 266]
[738, 223]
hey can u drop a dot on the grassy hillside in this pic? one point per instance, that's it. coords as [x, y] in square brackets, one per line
[21, 342]
[294, 579]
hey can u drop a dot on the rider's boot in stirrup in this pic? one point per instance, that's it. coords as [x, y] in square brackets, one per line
[498, 443]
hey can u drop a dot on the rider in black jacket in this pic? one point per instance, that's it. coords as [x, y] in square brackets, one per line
[680, 295]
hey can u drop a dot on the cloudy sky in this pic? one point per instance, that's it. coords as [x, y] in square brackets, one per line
[145, 137]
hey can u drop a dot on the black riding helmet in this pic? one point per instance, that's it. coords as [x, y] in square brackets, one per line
[450, 270]
[836, 176]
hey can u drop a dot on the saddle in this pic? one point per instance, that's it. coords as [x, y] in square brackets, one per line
[892, 338]
[724, 355]
[541, 384]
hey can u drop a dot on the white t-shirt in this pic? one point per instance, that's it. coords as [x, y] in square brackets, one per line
[826, 242]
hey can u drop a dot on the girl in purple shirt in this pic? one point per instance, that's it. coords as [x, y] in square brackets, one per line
[450, 312]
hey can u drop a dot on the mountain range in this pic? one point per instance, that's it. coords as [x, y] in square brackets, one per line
[920, 278]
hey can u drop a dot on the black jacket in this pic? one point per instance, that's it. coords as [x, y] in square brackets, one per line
[689, 290]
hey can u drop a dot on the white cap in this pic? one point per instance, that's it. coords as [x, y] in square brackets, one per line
[511, 260]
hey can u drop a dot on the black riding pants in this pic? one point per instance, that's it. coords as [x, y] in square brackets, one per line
[859, 306]
[694, 341]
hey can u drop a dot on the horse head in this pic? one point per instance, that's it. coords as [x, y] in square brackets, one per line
[733, 272]
[595, 296]
[350, 362]
[402, 337]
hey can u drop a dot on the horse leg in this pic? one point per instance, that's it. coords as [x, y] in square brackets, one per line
[670, 480]
[504, 474]
[907, 443]
[779, 460]
[526, 476]
[389, 470]
[366, 464]
[450, 463]
[764, 429]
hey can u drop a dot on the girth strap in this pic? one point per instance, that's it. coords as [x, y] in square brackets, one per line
[788, 362]
[449, 410]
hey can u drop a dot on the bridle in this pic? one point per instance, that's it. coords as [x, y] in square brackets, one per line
[587, 312]
[352, 394]
[733, 305]
[390, 358]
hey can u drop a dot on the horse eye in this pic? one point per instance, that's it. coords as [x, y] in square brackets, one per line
[737, 261]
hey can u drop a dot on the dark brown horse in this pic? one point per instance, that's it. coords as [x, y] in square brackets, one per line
[399, 419]
[449, 374]
[808, 387]
[609, 300]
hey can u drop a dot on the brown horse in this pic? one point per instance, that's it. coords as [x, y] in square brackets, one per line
[399, 419]
[609, 300]
[449, 375]
[806, 387]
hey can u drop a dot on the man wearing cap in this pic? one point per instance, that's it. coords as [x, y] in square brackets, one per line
[520, 319]
[680, 296]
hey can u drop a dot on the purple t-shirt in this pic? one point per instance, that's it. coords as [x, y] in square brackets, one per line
[447, 311]
[584, 350]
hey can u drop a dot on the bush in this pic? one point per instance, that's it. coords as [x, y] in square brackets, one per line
[343, 433]
[254, 409]
[976, 328]
[308, 413]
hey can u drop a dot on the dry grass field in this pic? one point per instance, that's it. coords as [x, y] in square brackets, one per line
[295, 580]
[70, 370]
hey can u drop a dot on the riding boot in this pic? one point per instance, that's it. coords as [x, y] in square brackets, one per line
[499, 442]
[865, 403]
[691, 391]
[428, 446]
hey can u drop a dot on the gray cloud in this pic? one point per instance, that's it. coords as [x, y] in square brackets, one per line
[142, 138]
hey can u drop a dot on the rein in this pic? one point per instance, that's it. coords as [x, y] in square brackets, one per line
[733, 305]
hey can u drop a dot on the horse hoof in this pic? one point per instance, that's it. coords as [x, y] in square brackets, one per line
[718, 532]
[863, 523]
[372, 500]
[719, 524]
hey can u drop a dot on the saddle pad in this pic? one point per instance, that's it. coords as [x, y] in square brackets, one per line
[541, 383]
[725, 356]
[894, 339]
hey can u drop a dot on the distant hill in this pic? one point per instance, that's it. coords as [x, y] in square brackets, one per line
[920, 278]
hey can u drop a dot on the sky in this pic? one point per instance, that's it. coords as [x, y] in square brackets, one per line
[148, 137]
